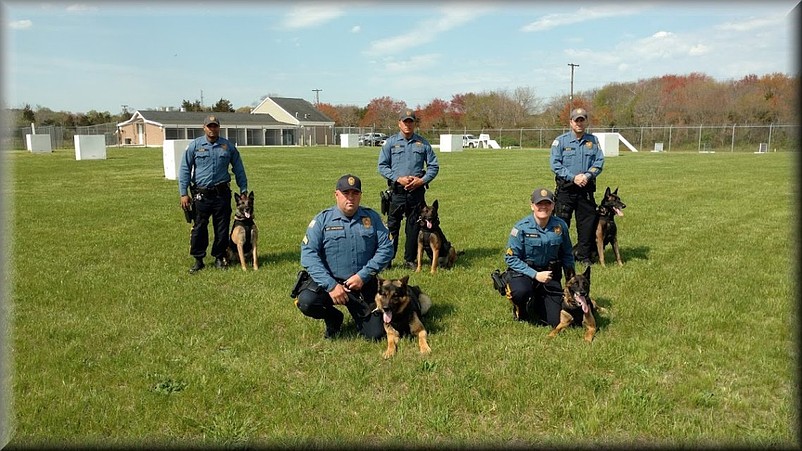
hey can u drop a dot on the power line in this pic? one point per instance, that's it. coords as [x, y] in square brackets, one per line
[571, 97]
[317, 96]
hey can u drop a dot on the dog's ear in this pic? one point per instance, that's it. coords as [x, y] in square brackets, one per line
[616, 191]
[569, 273]
[236, 196]
[607, 191]
[587, 272]
[251, 195]
[434, 205]
[404, 280]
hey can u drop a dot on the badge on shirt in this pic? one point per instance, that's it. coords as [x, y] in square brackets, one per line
[224, 146]
[366, 222]
[558, 230]
[419, 144]
[589, 144]
[514, 232]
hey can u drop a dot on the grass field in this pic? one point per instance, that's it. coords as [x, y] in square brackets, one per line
[111, 342]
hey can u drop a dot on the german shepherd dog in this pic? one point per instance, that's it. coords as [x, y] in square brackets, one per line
[402, 306]
[432, 240]
[244, 233]
[606, 231]
[577, 306]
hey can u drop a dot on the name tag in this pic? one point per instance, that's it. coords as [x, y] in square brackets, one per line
[332, 228]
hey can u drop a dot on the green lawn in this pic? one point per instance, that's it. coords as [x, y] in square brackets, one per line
[111, 342]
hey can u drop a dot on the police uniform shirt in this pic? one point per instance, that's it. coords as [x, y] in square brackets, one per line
[336, 247]
[400, 157]
[211, 162]
[538, 245]
[571, 156]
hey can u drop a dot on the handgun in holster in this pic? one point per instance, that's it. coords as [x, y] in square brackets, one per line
[385, 196]
[189, 214]
[303, 276]
[499, 281]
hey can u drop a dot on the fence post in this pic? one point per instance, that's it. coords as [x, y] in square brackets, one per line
[669, 138]
[732, 148]
[769, 143]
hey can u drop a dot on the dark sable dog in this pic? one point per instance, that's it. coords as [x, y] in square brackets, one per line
[577, 306]
[244, 233]
[606, 231]
[432, 240]
[402, 306]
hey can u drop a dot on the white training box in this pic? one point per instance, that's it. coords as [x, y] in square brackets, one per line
[450, 143]
[608, 143]
[349, 140]
[38, 143]
[90, 147]
[172, 153]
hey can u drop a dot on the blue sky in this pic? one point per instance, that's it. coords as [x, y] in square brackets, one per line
[102, 55]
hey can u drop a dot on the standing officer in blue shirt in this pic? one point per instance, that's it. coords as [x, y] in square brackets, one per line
[344, 249]
[538, 250]
[576, 160]
[204, 170]
[409, 164]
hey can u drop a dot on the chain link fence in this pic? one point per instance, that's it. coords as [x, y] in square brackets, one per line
[732, 138]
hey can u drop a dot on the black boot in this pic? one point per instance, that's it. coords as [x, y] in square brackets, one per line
[197, 266]
[334, 320]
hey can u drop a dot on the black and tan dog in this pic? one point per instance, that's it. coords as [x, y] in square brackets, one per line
[432, 240]
[606, 230]
[402, 306]
[244, 233]
[577, 306]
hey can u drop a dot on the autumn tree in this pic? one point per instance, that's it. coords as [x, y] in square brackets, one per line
[382, 113]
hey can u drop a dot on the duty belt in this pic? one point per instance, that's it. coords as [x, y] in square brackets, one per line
[222, 188]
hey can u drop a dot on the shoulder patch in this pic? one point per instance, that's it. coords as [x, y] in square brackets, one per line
[594, 169]
[311, 224]
[555, 143]
[514, 232]
[509, 252]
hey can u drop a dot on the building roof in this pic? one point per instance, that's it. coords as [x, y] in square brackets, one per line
[306, 112]
[195, 118]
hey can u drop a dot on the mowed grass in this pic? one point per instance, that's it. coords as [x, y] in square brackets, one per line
[113, 343]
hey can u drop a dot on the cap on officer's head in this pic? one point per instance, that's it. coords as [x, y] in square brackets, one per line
[407, 114]
[349, 181]
[579, 112]
[211, 120]
[542, 194]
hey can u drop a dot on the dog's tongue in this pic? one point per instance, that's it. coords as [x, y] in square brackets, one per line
[388, 316]
[582, 301]
[618, 211]
[248, 215]
[428, 224]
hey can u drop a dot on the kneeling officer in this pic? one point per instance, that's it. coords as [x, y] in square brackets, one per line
[538, 249]
[344, 249]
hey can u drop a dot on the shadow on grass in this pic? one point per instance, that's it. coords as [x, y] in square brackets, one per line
[631, 253]
[285, 256]
[478, 253]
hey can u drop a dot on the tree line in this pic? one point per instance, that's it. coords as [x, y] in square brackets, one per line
[692, 99]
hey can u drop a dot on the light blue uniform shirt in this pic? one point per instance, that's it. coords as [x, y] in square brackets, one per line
[539, 245]
[336, 247]
[400, 157]
[211, 162]
[571, 156]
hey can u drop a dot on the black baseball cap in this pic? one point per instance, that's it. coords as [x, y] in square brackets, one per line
[349, 181]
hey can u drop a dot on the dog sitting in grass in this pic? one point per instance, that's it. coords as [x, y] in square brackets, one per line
[577, 306]
[244, 233]
[402, 306]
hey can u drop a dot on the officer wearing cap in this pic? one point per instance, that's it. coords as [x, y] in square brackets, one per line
[409, 164]
[343, 250]
[204, 171]
[577, 160]
[538, 251]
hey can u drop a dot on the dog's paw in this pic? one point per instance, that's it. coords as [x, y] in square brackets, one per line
[388, 354]
[425, 349]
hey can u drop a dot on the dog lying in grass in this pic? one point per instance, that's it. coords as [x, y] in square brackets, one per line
[402, 306]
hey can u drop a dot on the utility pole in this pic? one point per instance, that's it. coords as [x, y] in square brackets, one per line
[317, 96]
[571, 97]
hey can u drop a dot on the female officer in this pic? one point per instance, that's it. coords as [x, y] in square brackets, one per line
[538, 248]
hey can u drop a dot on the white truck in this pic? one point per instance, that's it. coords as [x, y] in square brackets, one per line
[470, 141]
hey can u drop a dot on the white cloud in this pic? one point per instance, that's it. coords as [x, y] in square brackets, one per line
[751, 24]
[20, 24]
[356, 29]
[310, 15]
[416, 63]
[426, 31]
[80, 8]
[550, 21]
[698, 49]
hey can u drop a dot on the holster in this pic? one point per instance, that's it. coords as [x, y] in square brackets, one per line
[189, 214]
[385, 197]
[303, 276]
[500, 281]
